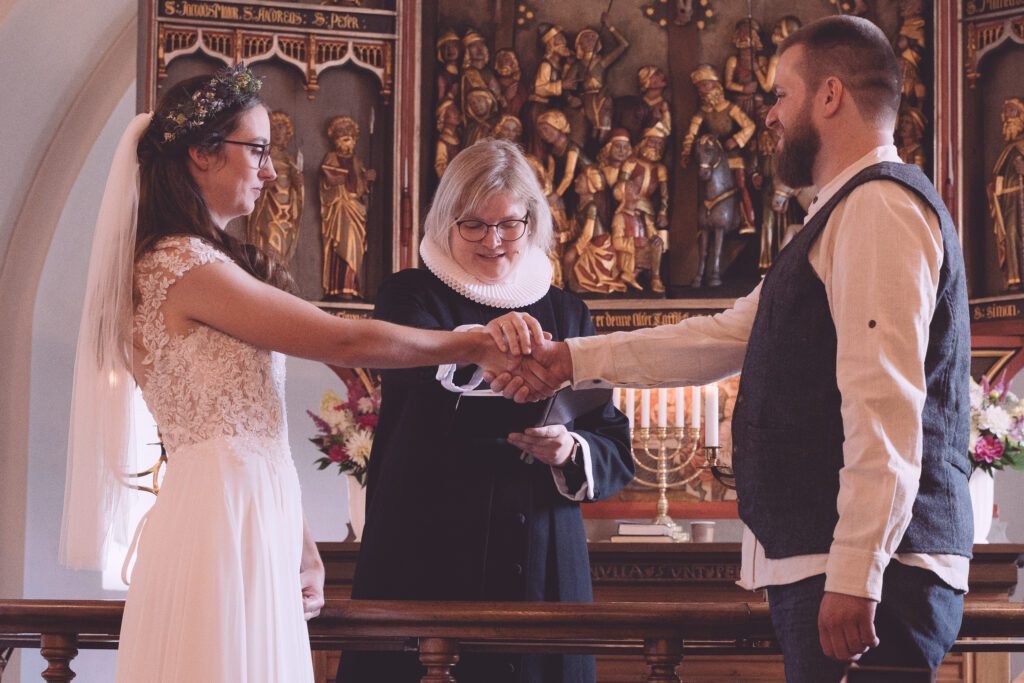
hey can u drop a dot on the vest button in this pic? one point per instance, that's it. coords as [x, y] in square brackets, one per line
[517, 569]
[521, 518]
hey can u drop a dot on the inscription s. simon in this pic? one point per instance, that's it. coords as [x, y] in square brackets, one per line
[665, 572]
[996, 311]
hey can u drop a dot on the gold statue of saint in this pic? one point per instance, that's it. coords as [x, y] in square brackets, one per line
[563, 155]
[513, 92]
[481, 112]
[1006, 194]
[449, 54]
[652, 175]
[590, 262]
[560, 223]
[273, 225]
[477, 73]
[730, 125]
[344, 195]
[509, 128]
[910, 132]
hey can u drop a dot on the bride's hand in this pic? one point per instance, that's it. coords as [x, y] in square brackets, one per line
[312, 582]
[515, 333]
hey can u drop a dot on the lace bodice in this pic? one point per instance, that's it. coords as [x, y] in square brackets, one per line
[204, 383]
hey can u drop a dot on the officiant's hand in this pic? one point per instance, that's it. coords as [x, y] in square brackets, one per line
[539, 375]
[552, 444]
[312, 582]
[516, 333]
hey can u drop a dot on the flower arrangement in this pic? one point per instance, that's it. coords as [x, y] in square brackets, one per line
[346, 429]
[226, 88]
[997, 427]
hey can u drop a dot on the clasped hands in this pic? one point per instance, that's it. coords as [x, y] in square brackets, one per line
[521, 362]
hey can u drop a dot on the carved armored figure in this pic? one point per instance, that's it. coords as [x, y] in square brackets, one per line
[1006, 194]
[273, 225]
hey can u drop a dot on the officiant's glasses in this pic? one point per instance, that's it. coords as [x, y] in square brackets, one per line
[263, 147]
[473, 230]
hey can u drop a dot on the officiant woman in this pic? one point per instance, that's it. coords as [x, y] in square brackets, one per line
[455, 517]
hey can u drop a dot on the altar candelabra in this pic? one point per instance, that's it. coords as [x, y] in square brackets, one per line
[667, 457]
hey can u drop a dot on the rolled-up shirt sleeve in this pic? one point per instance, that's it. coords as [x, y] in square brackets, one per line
[881, 285]
[697, 350]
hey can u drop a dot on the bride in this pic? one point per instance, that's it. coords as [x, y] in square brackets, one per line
[226, 569]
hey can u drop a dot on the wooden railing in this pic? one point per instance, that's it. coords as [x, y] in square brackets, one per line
[662, 633]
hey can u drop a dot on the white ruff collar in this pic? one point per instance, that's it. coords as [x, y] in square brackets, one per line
[529, 282]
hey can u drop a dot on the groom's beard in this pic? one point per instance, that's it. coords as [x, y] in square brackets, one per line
[794, 163]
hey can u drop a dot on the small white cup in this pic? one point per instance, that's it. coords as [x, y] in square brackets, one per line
[702, 531]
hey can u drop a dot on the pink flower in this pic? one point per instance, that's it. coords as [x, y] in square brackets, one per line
[368, 421]
[988, 449]
[337, 453]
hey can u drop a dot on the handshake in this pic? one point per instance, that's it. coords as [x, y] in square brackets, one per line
[520, 361]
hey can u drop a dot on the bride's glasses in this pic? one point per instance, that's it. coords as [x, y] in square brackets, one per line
[508, 231]
[264, 150]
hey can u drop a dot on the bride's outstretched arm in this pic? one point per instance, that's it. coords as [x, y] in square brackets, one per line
[225, 297]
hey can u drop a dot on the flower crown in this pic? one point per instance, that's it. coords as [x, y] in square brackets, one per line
[228, 87]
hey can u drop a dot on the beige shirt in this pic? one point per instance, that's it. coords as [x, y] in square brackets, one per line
[883, 266]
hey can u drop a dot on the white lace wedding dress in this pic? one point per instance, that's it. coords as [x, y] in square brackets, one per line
[215, 593]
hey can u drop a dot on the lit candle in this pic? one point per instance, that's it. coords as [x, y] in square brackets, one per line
[695, 407]
[631, 407]
[680, 413]
[617, 397]
[662, 408]
[645, 408]
[711, 415]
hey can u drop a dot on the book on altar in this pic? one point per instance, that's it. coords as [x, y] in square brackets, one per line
[643, 529]
[484, 414]
[642, 539]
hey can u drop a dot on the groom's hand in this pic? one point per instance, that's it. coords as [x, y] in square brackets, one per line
[539, 375]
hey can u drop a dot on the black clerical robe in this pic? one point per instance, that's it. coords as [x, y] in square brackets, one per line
[448, 518]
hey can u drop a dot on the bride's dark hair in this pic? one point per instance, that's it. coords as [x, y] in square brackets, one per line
[198, 112]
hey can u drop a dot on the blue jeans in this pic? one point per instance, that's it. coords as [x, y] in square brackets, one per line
[917, 622]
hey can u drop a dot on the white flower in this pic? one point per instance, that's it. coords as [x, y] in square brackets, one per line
[340, 419]
[975, 435]
[995, 420]
[365, 405]
[328, 403]
[358, 445]
[977, 395]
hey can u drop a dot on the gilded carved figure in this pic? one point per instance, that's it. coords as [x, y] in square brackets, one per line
[727, 122]
[273, 225]
[547, 84]
[910, 48]
[477, 73]
[588, 78]
[344, 195]
[784, 27]
[481, 112]
[449, 123]
[560, 223]
[513, 93]
[591, 262]
[564, 157]
[656, 109]
[449, 56]
[509, 128]
[634, 237]
[910, 133]
[743, 68]
[1006, 194]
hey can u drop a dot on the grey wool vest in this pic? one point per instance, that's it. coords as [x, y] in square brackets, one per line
[787, 426]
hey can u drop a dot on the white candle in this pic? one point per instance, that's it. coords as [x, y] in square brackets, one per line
[695, 407]
[662, 408]
[617, 398]
[631, 407]
[711, 415]
[680, 414]
[645, 408]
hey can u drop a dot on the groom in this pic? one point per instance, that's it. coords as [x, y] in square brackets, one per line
[851, 424]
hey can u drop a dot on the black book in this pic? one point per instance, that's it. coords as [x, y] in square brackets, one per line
[483, 414]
